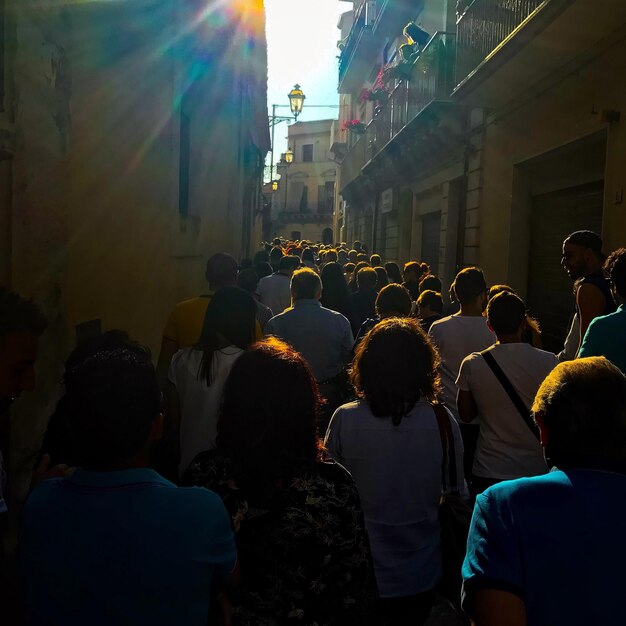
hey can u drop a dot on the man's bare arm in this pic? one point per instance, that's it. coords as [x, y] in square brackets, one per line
[493, 607]
[591, 304]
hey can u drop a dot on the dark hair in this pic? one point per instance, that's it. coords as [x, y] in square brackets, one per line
[307, 255]
[395, 365]
[19, 315]
[362, 257]
[412, 266]
[494, 290]
[229, 320]
[221, 270]
[263, 269]
[393, 300]
[289, 262]
[112, 399]
[366, 277]
[615, 267]
[268, 430]
[469, 284]
[430, 282]
[331, 255]
[582, 406]
[393, 272]
[248, 280]
[349, 267]
[305, 284]
[262, 256]
[276, 254]
[357, 245]
[505, 313]
[381, 278]
[431, 299]
[335, 292]
[376, 260]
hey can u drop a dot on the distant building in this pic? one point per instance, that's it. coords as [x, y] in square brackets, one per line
[304, 203]
[496, 137]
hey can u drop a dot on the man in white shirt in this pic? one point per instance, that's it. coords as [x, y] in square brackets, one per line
[275, 290]
[458, 335]
[507, 447]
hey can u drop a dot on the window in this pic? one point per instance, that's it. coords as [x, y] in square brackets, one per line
[183, 165]
[307, 153]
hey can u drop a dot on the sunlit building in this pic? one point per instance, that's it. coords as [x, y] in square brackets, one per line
[303, 205]
[487, 141]
[132, 142]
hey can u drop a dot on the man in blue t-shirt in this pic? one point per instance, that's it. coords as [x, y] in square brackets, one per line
[116, 543]
[550, 550]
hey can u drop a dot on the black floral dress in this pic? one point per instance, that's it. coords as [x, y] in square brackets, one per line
[304, 553]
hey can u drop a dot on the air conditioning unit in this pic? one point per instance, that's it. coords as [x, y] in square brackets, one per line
[370, 12]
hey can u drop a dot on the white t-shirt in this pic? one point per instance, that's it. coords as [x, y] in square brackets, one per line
[199, 404]
[456, 336]
[506, 446]
[275, 292]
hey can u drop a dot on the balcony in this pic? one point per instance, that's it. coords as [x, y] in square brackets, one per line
[484, 25]
[430, 80]
[299, 217]
[507, 48]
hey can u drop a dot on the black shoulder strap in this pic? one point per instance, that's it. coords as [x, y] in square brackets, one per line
[448, 465]
[510, 390]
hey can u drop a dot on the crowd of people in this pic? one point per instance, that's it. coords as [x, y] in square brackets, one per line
[288, 458]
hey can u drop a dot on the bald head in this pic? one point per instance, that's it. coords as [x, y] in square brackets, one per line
[221, 271]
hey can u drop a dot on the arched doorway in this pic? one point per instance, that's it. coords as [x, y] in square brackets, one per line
[327, 236]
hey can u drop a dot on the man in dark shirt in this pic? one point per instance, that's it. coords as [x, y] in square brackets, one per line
[364, 299]
[582, 260]
[412, 272]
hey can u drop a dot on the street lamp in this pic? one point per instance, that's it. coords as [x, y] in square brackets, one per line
[296, 103]
[296, 100]
[289, 156]
[274, 185]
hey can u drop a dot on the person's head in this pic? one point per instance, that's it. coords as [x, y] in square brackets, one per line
[307, 255]
[262, 256]
[263, 269]
[430, 282]
[362, 257]
[506, 316]
[271, 427]
[230, 320]
[221, 271]
[376, 261]
[342, 256]
[248, 280]
[306, 285]
[382, 279]
[393, 272]
[494, 290]
[429, 303]
[358, 246]
[393, 301]
[366, 278]
[352, 256]
[348, 268]
[582, 254]
[331, 256]
[581, 414]
[615, 267]
[395, 365]
[411, 272]
[21, 325]
[470, 288]
[276, 242]
[334, 285]
[288, 264]
[276, 254]
[113, 405]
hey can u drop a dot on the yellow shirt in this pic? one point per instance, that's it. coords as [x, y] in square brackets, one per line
[184, 325]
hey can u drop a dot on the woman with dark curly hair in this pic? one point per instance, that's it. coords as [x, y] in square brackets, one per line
[389, 441]
[298, 522]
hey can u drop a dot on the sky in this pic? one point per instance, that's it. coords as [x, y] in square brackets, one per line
[302, 40]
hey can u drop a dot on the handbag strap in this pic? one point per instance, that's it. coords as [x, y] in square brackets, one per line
[510, 390]
[448, 464]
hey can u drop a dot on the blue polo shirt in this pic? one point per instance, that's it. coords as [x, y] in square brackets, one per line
[557, 541]
[117, 548]
[606, 336]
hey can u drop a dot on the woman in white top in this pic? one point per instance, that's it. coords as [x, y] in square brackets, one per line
[389, 441]
[198, 373]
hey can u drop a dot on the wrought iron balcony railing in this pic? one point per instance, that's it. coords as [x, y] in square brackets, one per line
[483, 26]
[429, 78]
